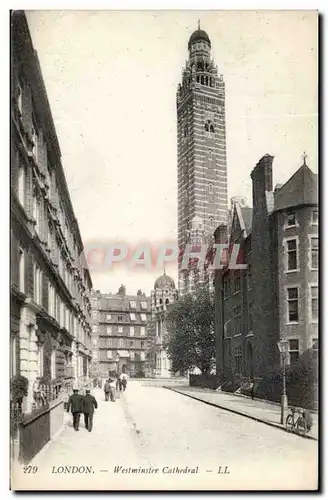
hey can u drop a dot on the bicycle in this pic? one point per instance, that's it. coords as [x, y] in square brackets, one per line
[299, 424]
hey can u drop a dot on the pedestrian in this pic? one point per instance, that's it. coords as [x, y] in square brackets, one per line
[112, 385]
[75, 402]
[124, 381]
[89, 405]
[107, 390]
[118, 382]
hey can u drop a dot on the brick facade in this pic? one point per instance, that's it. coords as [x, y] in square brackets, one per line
[201, 144]
[252, 303]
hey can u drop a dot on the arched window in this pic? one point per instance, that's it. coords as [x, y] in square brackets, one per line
[167, 301]
[209, 127]
[185, 131]
[210, 188]
[210, 154]
[211, 221]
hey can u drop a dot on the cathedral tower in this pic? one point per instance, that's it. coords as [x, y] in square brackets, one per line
[202, 164]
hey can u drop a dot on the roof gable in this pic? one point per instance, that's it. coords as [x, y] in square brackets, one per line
[300, 189]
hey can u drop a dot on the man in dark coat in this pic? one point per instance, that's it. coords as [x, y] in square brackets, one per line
[75, 403]
[89, 405]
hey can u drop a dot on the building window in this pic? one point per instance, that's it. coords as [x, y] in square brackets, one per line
[132, 317]
[237, 282]
[19, 97]
[209, 127]
[94, 315]
[37, 284]
[142, 356]
[250, 316]
[131, 355]
[143, 317]
[133, 304]
[226, 287]
[108, 317]
[131, 330]
[131, 343]
[185, 131]
[291, 249]
[315, 217]
[13, 357]
[210, 188]
[210, 155]
[35, 140]
[109, 342]
[21, 183]
[293, 351]
[238, 360]
[314, 303]
[292, 300]
[53, 363]
[291, 219]
[109, 330]
[109, 354]
[143, 305]
[120, 343]
[120, 329]
[40, 360]
[142, 330]
[21, 263]
[314, 253]
[119, 318]
[249, 277]
[94, 342]
[211, 222]
[237, 319]
[142, 343]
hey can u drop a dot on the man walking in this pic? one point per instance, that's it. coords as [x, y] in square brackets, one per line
[106, 390]
[89, 405]
[75, 403]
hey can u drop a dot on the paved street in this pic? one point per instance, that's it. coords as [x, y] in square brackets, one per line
[152, 427]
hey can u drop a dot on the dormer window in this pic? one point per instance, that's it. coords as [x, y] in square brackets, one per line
[291, 219]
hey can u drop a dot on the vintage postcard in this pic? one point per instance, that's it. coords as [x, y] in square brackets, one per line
[164, 250]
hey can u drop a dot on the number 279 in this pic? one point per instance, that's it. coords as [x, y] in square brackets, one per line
[29, 469]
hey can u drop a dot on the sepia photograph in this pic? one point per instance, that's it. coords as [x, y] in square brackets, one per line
[164, 250]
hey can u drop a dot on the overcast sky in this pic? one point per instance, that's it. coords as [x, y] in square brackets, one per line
[111, 79]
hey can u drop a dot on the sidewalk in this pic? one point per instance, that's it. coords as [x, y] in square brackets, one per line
[112, 442]
[267, 413]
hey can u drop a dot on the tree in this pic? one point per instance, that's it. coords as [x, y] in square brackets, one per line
[191, 333]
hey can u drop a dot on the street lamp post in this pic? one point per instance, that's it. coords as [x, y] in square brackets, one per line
[117, 362]
[283, 348]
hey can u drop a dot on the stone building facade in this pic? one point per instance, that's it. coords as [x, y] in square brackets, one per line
[119, 332]
[275, 295]
[50, 334]
[162, 297]
[201, 144]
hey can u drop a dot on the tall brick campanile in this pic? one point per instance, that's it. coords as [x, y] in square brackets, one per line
[202, 164]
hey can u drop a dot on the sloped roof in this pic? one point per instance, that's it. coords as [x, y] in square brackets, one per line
[300, 189]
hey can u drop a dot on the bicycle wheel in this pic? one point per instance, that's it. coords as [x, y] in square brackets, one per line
[301, 426]
[289, 423]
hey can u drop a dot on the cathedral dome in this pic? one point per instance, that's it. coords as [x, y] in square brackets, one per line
[164, 281]
[198, 36]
